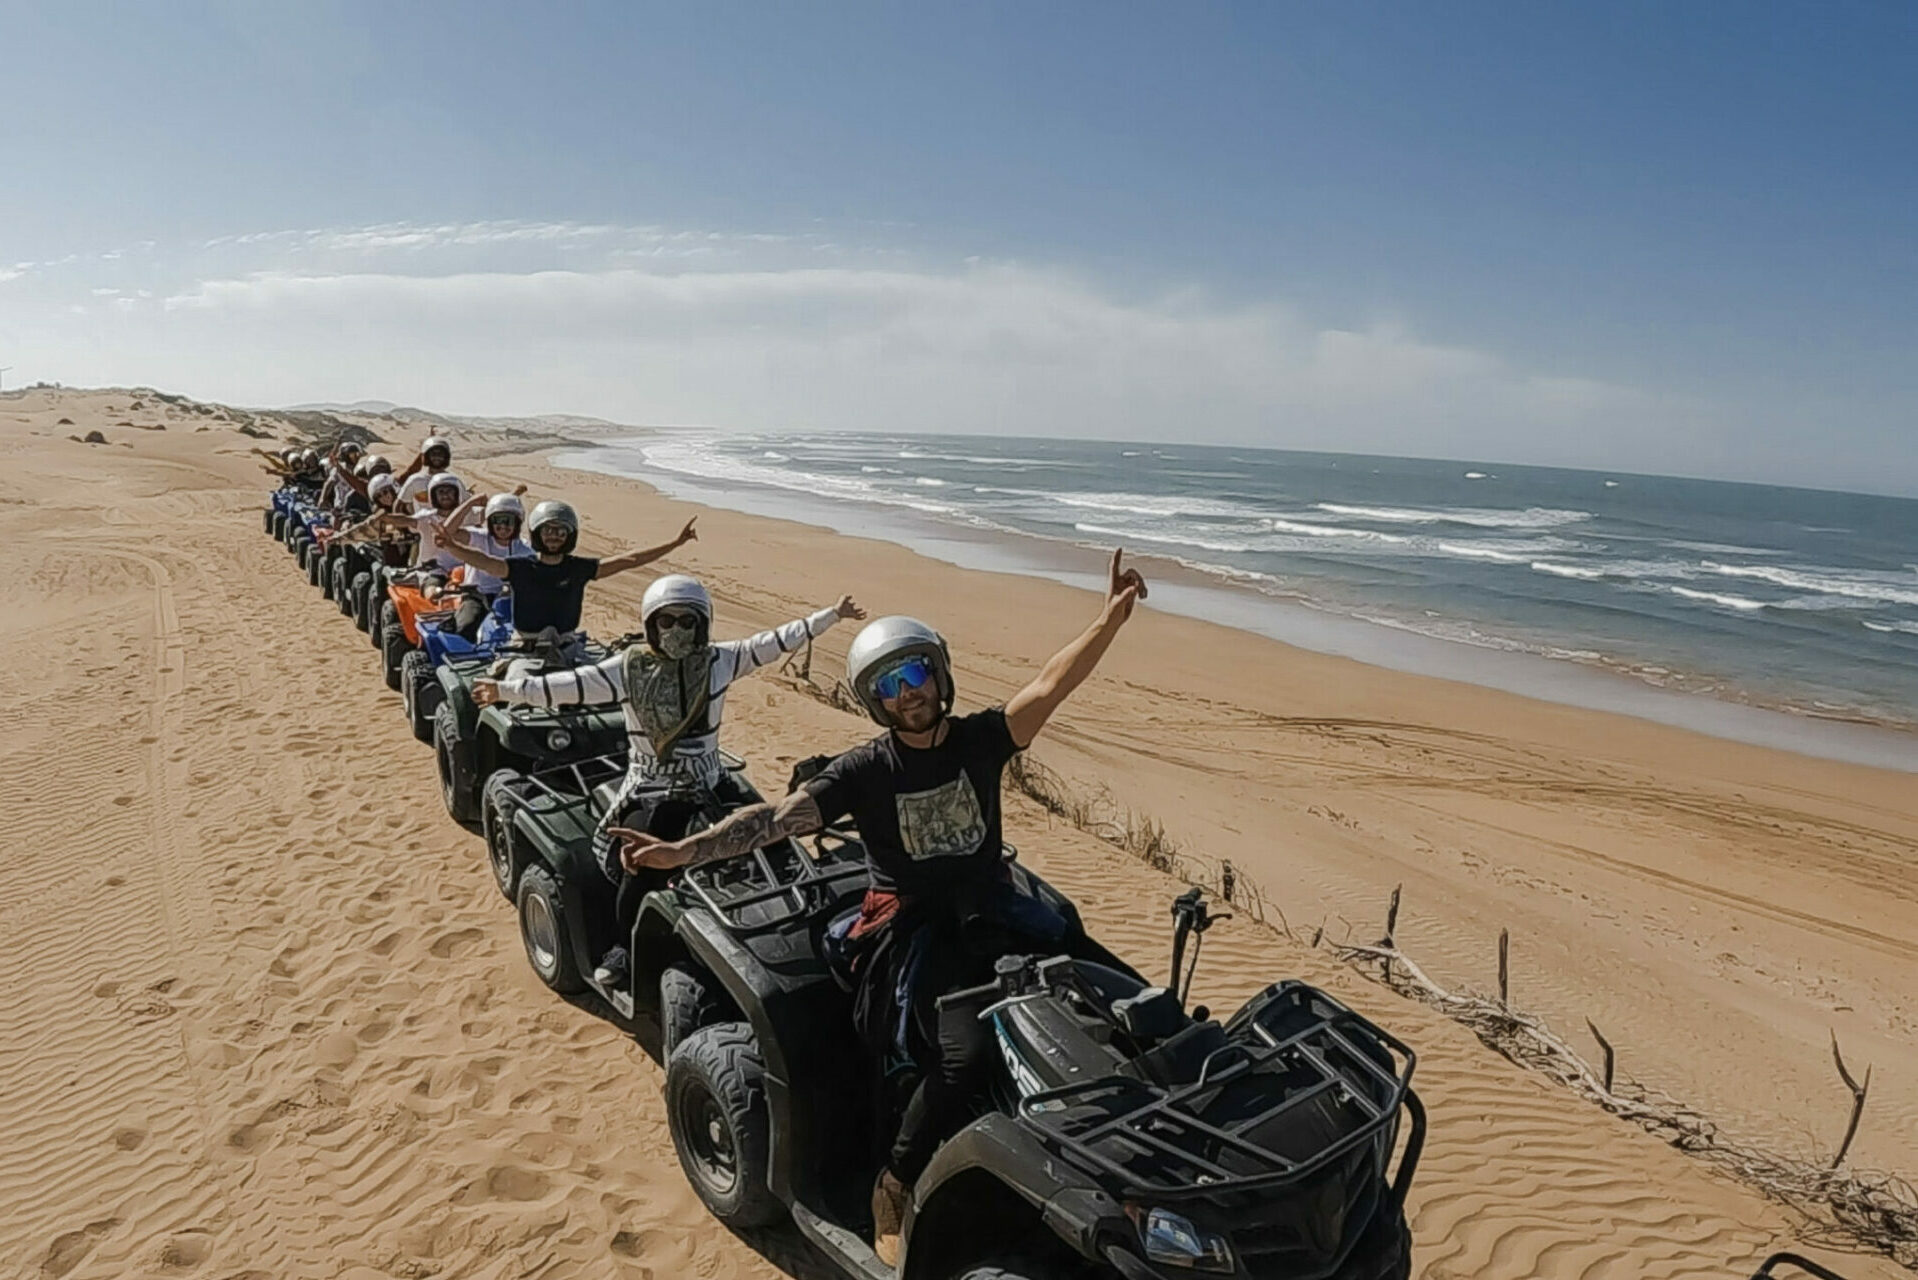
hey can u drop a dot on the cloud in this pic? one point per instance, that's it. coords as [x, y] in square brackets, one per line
[764, 331]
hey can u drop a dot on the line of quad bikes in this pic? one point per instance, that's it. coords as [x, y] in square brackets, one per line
[1124, 1134]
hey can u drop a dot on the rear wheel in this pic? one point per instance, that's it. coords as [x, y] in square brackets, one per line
[454, 758]
[689, 999]
[394, 646]
[716, 1107]
[314, 560]
[542, 928]
[277, 526]
[267, 520]
[499, 806]
[342, 587]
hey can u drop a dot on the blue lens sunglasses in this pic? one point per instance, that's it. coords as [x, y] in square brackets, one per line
[910, 674]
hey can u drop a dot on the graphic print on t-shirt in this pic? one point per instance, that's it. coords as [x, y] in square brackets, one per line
[941, 823]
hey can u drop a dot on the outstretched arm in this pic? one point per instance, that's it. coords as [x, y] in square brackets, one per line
[602, 682]
[634, 559]
[458, 519]
[741, 832]
[1032, 706]
[754, 652]
[449, 540]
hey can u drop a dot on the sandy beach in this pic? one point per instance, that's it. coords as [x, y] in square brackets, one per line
[267, 1016]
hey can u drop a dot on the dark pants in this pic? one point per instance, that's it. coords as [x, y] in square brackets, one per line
[472, 611]
[666, 811]
[930, 957]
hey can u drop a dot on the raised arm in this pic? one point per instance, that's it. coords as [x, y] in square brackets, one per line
[445, 538]
[754, 652]
[458, 519]
[634, 559]
[743, 831]
[600, 683]
[378, 522]
[419, 460]
[1032, 706]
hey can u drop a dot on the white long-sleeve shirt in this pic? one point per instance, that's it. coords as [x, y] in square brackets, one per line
[696, 754]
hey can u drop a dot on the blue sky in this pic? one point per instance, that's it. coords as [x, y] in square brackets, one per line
[1638, 236]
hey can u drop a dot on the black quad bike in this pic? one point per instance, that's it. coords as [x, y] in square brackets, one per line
[1122, 1135]
[471, 742]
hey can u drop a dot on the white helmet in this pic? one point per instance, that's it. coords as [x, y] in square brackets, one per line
[381, 484]
[884, 641]
[676, 591]
[442, 480]
[308, 458]
[505, 504]
[376, 464]
[437, 442]
[290, 456]
[351, 449]
[550, 512]
[362, 470]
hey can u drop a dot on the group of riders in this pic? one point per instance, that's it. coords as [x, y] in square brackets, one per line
[925, 793]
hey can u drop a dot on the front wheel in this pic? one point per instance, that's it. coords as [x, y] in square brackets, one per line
[1017, 1269]
[314, 560]
[268, 520]
[542, 928]
[394, 646]
[420, 688]
[716, 1108]
[342, 587]
[453, 756]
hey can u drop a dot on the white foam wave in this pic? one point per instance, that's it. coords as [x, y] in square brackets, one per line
[1856, 585]
[1474, 475]
[1134, 504]
[1330, 531]
[1139, 535]
[881, 471]
[770, 456]
[1901, 627]
[929, 482]
[1481, 517]
[1566, 570]
[1711, 597]
[1482, 553]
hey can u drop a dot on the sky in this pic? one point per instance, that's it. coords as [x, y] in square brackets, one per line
[1630, 236]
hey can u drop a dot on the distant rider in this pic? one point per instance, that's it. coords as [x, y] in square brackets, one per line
[673, 691]
[434, 457]
[939, 907]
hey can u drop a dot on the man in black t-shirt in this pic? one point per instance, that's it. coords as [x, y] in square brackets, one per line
[939, 906]
[549, 589]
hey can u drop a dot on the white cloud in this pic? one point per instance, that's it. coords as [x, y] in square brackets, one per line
[760, 330]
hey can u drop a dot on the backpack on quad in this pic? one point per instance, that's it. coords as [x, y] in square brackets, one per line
[1125, 1138]
[471, 742]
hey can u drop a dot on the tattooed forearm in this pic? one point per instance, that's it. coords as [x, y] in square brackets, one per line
[753, 828]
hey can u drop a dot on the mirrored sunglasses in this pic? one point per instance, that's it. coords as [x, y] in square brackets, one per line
[910, 674]
[683, 621]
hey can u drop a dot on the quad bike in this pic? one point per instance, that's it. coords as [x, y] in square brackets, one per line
[471, 742]
[1124, 1136]
[405, 606]
[419, 678]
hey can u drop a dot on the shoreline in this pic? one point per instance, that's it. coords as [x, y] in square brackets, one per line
[1604, 685]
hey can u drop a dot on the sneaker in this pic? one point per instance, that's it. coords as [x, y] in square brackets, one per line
[613, 969]
[888, 1214]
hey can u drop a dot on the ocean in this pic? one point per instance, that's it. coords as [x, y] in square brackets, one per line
[1799, 601]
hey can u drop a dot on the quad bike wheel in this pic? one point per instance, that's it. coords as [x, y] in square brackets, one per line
[716, 1107]
[420, 688]
[689, 999]
[276, 525]
[327, 561]
[366, 613]
[267, 520]
[498, 806]
[342, 589]
[394, 646]
[454, 759]
[542, 928]
[314, 563]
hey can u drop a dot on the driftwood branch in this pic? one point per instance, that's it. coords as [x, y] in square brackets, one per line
[1611, 1059]
[1858, 1092]
[1505, 966]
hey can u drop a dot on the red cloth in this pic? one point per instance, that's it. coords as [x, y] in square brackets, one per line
[878, 909]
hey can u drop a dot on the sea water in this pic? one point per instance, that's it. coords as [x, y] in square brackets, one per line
[1800, 600]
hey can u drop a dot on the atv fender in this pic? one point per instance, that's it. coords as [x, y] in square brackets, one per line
[459, 696]
[996, 1167]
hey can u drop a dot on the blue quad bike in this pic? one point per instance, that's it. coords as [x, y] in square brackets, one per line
[419, 669]
[1123, 1135]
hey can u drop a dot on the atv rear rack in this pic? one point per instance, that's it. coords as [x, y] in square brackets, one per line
[750, 894]
[1157, 1143]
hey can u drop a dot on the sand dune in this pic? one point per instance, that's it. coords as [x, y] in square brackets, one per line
[266, 1015]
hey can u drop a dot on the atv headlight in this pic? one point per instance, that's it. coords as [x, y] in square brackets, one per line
[1173, 1240]
[558, 740]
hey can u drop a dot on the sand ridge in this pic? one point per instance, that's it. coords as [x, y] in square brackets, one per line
[267, 1016]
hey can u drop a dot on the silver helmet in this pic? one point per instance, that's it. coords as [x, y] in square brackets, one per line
[883, 642]
[381, 485]
[444, 480]
[550, 512]
[437, 442]
[350, 450]
[675, 591]
[501, 505]
[376, 464]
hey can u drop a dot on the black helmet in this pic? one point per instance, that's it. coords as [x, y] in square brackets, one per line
[551, 512]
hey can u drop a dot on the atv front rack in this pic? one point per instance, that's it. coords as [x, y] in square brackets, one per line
[1158, 1143]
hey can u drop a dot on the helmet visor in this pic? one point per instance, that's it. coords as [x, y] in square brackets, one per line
[911, 673]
